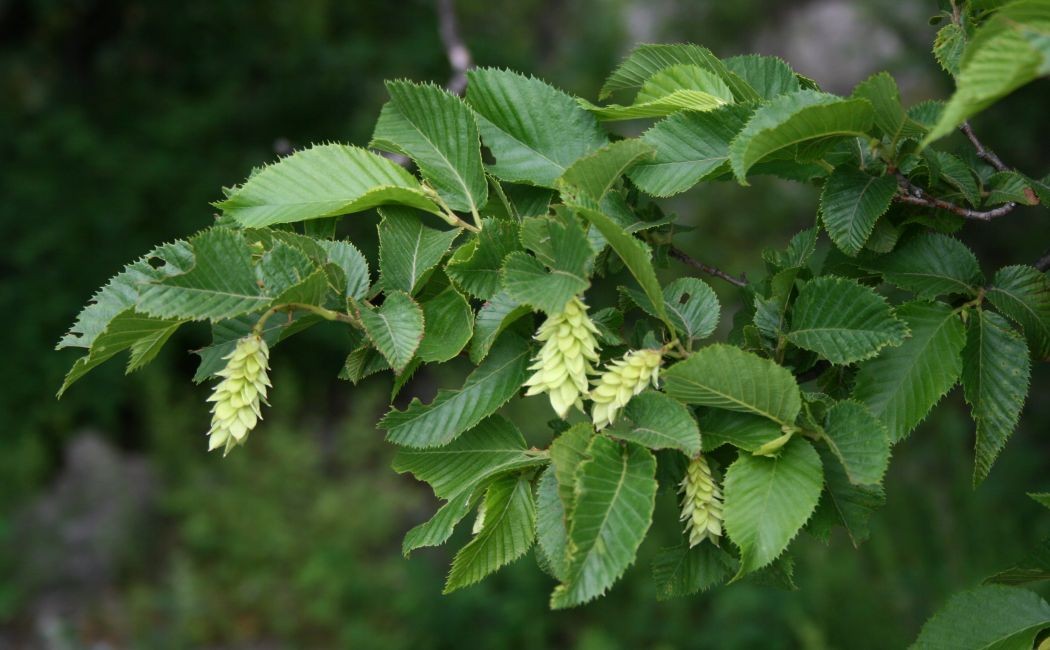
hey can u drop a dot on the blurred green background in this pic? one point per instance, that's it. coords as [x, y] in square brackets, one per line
[121, 119]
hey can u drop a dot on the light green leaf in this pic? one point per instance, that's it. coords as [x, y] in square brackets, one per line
[322, 181]
[615, 496]
[494, 316]
[890, 118]
[436, 530]
[931, 265]
[992, 616]
[843, 321]
[449, 325]
[452, 412]
[596, 173]
[659, 422]
[859, 440]
[724, 376]
[508, 533]
[408, 250]
[902, 384]
[742, 430]
[768, 499]
[526, 280]
[851, 203]
[551, 531]
[789, 120]
[675, 88]
[395, 328]
[948, 47]
[1022, 294]
[1042, 498]
[646, 60]
[515, 115]
[844, 503]
[345, 256]
[770, 76]
[692, 307]
[311, 290]
[995, 375]
[437, 130]
[681, 571]
[475, 266]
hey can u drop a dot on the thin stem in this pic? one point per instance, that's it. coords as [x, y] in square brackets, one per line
[983, 152]
[327, 314]
[1043, 263]
[912, 194]
[683, 257]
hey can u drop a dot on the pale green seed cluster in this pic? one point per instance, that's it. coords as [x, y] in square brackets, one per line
[566, 359]
[623, 379]
[236, 398]
[701, 503]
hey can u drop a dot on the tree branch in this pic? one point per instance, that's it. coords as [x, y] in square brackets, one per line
[915, 195]
[683, 257]
[459, 58]
[983, 153]
[1043, 263]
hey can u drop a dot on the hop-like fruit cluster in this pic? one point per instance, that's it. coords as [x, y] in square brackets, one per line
[623, 379]
[701, 503]
[566, 358]
[236, 398]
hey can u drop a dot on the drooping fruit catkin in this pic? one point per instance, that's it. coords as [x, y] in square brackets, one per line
[566, 359]
[236, 398]
[622, 380]
[701, 503]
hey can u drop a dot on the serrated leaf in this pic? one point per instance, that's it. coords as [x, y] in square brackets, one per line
[282, 267]
[890, 118]
[676, 88]
[1009, 187]
[902, 384]
[449, 325]
[681, 571]
[692, 307]
[596, 173]
[646, 60]
[567, 452]
[690, 147]
[948, 47]
[526, 280]
[551, 531]
[1032, 568]
[515, 113]
[952, 170]
[741, 430]
[931, 265]
[508, 533]
[395, 328]
[768, 499]
[494, 446]
[452, 412]
[995, 375]
[475, 266]
[659, 422]
[789, 120]
[436, 530]
[437, 130]
[311, 290]
[859, 440]
[492, 319]
[408, 250]
[851, 203]
[615, 496]
[770, 76]
[363, 361]
[724, 376]
[352, 263]
[844, 503]
[1022, 294]
[992, 616]
[843, 321]
[226, 333]
[322, 181]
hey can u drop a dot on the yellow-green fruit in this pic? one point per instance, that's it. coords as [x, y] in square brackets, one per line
[567, 357]
[623, 379]
[235, 410]
[701, 503]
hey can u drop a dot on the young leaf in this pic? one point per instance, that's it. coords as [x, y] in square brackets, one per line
[931, 265]
[902, 384]
[395, 328]
[844, 503]
[992, 616]
[676, 88]
[851, 203]
[724, 376]
[515, 115]
[768, 499]
[881, 90]
[995, 376]
[437, 130]
[345, 256]
[948, 47]
[596, 173]
[1022, 294]
[770, 76]
[322, 181]
[436, 530]
[843, 321]
[494, 316]
[475, 266]
[526, 280]
[508, 532]
[859, 440]
[449, 325]
[646, 60]
[681, 570]
[615, 496]
[408, 250]
[451, 413]
[660, 422]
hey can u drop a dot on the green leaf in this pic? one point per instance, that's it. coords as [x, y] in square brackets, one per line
[475, 266]
[681, 571]
[676, 88]
[449, 325]
[845, 503]
[353, 265]
[770, 76]
[931, 265]
[492, 319]
[902, 384]
[768, 499]
[948, 47]
[742, 430]
[1022, 294]
[452, 412]
[659, 422]
[890, 118]
[221, 283]
[437, 130]
[851, 203]
[494, 446]
[515, 115]
[843, 321]
[1041, 498]
[789, 120]
[859, 440]
[646, 60]
[692, 307]
[690, 147]
[952, 170]
[551, 531]
[998, 60]
[322, 181]
[508, 533]
[992, 616]
[596, 173]
[995, 375]
[724, 376]
[436, 530]
[1009, 187]
[615, 496]
[526, 280]
[408, 250]
[567, 452]
[1032, 568]
[395, 328]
